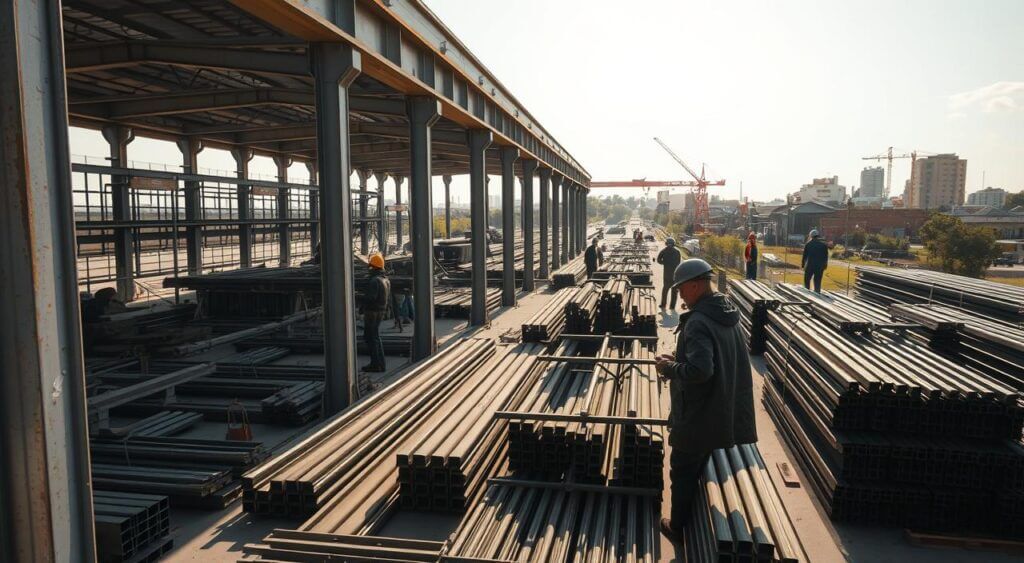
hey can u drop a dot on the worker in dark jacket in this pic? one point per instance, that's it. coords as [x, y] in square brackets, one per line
[709, 384]
[592, 258]
[814, 260]
[750, 255]
[669, 258]
[376, 300]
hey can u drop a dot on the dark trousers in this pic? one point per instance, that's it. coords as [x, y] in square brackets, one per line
[590, 271]
[686, 470]
[752, 270]
[815, 274]
[371, 332]
[666, 288]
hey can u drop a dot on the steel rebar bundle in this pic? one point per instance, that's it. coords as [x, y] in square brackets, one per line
[547, 324]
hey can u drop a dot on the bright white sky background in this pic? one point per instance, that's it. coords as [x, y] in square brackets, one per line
[768, 93]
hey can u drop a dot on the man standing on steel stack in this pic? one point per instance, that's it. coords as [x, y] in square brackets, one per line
[710, 386]
[814, 260]
[592, 258]
[669, 258]
[376, 299]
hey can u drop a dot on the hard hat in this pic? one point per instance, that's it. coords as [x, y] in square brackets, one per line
[752, 236]
[593, 240]
[814, 233]
[690, 269]
[670, 241]
[377, 261]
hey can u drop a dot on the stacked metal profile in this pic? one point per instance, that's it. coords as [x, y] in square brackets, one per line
[344, 473]
[570, 275]
[300, 546]
[457, 301]
[611, 311]
[131, 526]
[627, 258]
[738, 514]
[449, 461]
[581, 309]
[890, 432]
[641, 307]
[294, 405]
[641, 447]
[513, 523]
[886, 286]
[754, 300]
[547, 324]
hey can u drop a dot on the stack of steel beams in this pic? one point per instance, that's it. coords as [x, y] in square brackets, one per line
[547, 324]
[570, 275]
[738, 514]
[611, 311]
[830, 308]
[131, 526]
[627, 258]
[754, 300]
[163, 423]
[581, 309]
[303, 547]
[457, 301]
[886, 286]
[642, 309]
[516, 523]
[294, 405]
[194, 486]
[641, 448]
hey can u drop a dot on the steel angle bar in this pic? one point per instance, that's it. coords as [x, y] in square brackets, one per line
[572, 486]
[583, 418]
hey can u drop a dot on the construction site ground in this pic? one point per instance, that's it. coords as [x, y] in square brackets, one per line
[221, 535]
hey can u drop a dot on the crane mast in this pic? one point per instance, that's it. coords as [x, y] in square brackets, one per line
[702, 212]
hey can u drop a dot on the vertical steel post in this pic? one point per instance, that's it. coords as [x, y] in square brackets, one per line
[570, 222]
[447, 179]
[364, 235]
[190, 148]
[526, 199]
[581, 220]
[478, 141]
[45, 486]
[564, 250]
[314, 206]
[117, 138]
[382, 224]
[423, 112]
[335, 66]
[556, 217]
[398, 213]
[509, 155]
[242, 156]
[284, 242]
[545, 216]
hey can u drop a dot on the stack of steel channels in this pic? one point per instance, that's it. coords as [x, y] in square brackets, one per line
[627, 258]
[234, 454]
[548, 323]
[130, 526]
[754, 300]
[992, 347]
[513, 523]
[611, 312]
[449, 464]
[890, 432]
[581, 309]
[296, 404]
[191, 486]
[344, 472]
[886, 286]
[641, 460]
[457, 301]
[642, 308]
[304, 547]
[830, 308]
[570, 275]
[738, 514]
[163, 423]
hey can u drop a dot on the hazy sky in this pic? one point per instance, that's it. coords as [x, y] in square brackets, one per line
[768, 93]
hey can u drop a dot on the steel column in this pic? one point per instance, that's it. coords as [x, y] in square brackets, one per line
[570, 222]
[117, 138]
[447, 179]
[545, 214]
[242, 156]
[556, 215]
[314, 207]
[398, 214]
[382, 230]
[564, 249]
[423, 112]
[335, 66]
[284, 243]
[190, 148]
[364, 241]
[526, 199]
[478, 141]
[45, 488]
[509, 155]
[581, 221]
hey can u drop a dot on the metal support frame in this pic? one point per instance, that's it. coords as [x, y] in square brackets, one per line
[447, 179]
[556, 215]
[382, 223]
[564, 248]
[335, 66]
[478, 141]
[242, 156]
[314, 207]
[545, 216]
[423, 112]
[509, 155]
[190, 148]
[526, 199]
[364, 227]
[284, 242]
[586, 220]
[581, 220]
[398, 214]
[45, 491]
[570, 222]
[117, 138]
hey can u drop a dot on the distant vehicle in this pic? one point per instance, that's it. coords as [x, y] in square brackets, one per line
[692, 246]
[1007, 259]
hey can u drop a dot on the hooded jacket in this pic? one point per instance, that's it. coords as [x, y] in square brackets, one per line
[710, 383]
[670, 257]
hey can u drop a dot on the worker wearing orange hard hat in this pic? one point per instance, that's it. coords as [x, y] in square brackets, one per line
[750, 255]
[374, 304]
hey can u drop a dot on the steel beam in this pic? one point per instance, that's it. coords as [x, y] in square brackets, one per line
[45, 487]
[284, 242]
[101, 56]
[509, 155]
[447, 179]
[399, 180]
[564, 249]
[382, 223]
[423, 112]
[117, 138]
[335, 66]
[242, 156]
[478, 141]
[570, 222]
[556, 219]
[314, 207]
[526, 199]
[545, 214]
[190, 148]
[364, 241]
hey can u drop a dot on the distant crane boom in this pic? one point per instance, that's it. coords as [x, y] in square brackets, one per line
[889, 157]
[679, 160]
[702, 212]
[641, 183]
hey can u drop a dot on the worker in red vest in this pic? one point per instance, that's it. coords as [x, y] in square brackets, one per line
[750, 256]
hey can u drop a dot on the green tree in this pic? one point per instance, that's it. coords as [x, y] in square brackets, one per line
[1014, 200]
[957, 248]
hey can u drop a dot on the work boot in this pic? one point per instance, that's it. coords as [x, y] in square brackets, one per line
[670, 532]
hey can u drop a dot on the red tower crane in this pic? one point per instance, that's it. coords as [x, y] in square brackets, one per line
[701, 213]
